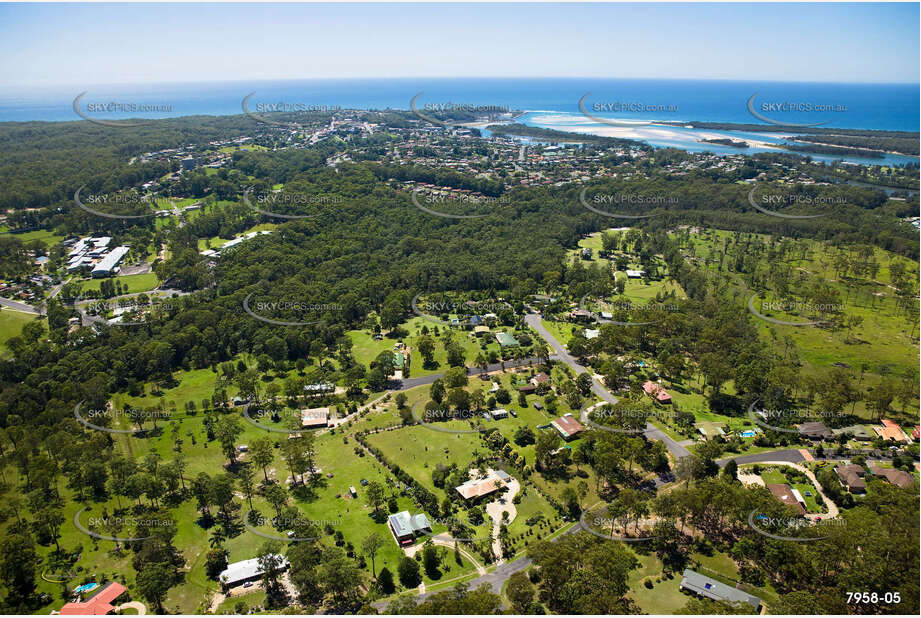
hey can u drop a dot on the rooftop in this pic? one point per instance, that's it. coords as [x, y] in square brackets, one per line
[99, 604]
[475, 488]
[713, 589]
[567, 425]
[404, 524]
[244, 570]
[783, 493]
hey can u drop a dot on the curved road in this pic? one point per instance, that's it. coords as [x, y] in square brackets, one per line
[652, 432]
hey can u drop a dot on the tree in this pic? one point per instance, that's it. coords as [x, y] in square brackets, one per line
[341, 581]
[270, 562]
[426, 347]
[245, 481]
[154, 581]
[385, 581]
[524, 436]
[370, 546]
[731, 469]
[547, 443]
[377, 495]
[408, 572]
[263, 454]
[222, 495]
[227, 431]
[215, 562]
[520, 592]
[18, 562]
[277, 497]
[430, 560]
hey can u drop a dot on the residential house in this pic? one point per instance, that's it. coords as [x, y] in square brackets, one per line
[716, 590]
[567, 426]
[320, 388]
[99, 604]
[238, 573]
[506, 340]
[887, 432]
[498, 413]
[540, 378]
[314, 417]
[582, 315]
[851, 476]
[895, 477]
[406, 527]
[815, 430]
[783, 493]
[475, 489]
[657, 392]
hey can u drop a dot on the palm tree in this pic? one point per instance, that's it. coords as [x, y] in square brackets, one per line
[217, 537]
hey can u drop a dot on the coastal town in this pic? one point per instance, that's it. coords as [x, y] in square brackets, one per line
[280, 340]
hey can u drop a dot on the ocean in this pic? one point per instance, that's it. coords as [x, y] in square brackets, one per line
[629, 104]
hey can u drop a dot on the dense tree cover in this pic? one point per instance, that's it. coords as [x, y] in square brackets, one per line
[553, 135]
[583, 574]
[364, 258]
[43, 163]
[903, 145]
[850, 558]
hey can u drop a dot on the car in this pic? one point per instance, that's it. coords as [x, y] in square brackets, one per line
[513, 413]
[248, 585]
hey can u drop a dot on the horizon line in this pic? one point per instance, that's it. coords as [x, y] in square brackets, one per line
[456, 77]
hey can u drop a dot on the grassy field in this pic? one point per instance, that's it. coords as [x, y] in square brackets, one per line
[365, 348]
[885, 343]
[216, 242]
[11, 323]
[47, 237]
[136, 283]
[341, 464]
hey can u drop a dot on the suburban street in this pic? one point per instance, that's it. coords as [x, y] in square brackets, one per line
[652, 432]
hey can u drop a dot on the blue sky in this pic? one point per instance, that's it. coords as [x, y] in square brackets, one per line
[105, 43]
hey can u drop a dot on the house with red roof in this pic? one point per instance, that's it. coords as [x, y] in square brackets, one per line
[99, 604]
[567, 426]
[890, 431]
[654, 390]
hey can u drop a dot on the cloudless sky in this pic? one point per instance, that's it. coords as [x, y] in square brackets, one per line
[68, 44]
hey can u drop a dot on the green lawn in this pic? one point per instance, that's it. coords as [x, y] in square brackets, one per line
[136, 283]
[11, 323]
[48, 237]
[365, 348]
[216, 242]
[883, 344]
[665, 597]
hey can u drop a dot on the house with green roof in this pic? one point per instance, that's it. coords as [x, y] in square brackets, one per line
[406, 527]
[505, 340]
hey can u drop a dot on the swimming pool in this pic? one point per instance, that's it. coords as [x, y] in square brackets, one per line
[747, 434]
[86, 587]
